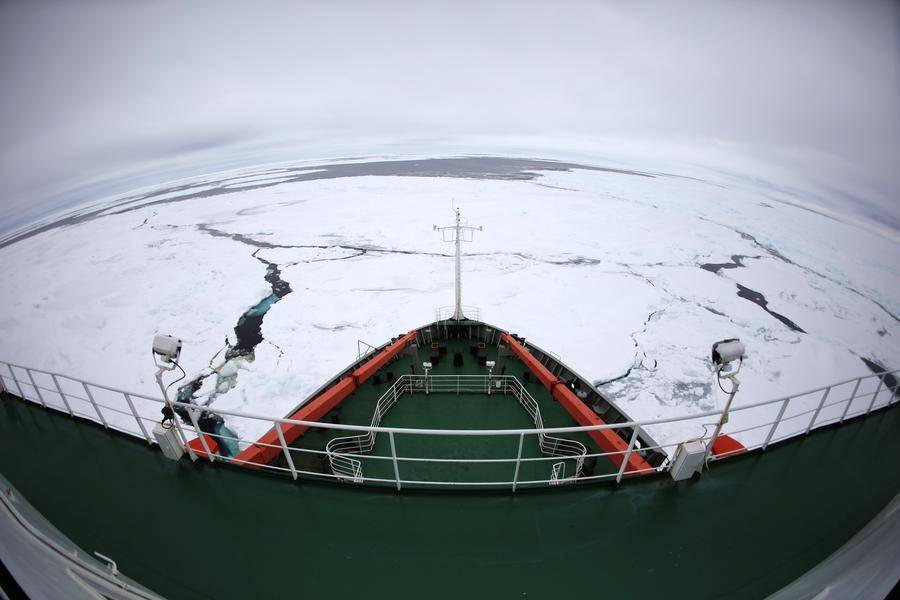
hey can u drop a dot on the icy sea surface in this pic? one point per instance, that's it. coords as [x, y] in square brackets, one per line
[272, 275]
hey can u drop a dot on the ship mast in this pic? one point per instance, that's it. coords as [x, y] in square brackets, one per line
[457, 234]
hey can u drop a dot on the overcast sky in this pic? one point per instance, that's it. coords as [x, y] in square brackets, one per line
[92, 88]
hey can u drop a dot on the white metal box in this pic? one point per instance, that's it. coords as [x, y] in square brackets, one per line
[168, 442]
[688, 460]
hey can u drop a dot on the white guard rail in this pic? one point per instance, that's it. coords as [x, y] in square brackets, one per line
[771, 421]
[341, 450]
[444, 313]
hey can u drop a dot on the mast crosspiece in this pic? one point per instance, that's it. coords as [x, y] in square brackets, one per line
[457, 234]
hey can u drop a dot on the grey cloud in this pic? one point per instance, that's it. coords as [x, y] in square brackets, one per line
[93, 90]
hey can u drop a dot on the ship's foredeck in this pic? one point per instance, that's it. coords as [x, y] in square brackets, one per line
[465, 409]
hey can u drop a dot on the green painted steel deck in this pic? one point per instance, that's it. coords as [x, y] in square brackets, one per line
[742, 530]
[448, 411]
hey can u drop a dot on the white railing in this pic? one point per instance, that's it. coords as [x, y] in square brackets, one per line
[766, 423]
[340, 450]
[550, 445]
[446, 312]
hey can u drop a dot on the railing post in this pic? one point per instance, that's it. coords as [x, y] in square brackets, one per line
[61, 395]
[625, 460]
[818, 410]
[183, 438]
[875, 395]
[199, 433]
[775, 424]
[394, 459]
[36, 390]
[518, 462]
[94, 404]
[852, 398]
[16, 381]
[894, 392]
[3, 387]
[138, 419]
[287, 455]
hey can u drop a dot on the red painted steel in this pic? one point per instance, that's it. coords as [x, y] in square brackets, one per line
[372, 366]
[197, 446]
[607, 439]
[259, 454]
[726, 446]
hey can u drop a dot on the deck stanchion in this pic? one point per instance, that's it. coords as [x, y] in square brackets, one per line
[61, 395]
[183, 438]
[852, 398]
[138, 419]
[200, 436]
[775, 424]
[895, 392]
[816, 414]
[634, 435]
[394, 459]
[518, 462]
[90, 396]
[16, 381]
[36, 389]
[287, 455]
[875, 395]
[3, 387]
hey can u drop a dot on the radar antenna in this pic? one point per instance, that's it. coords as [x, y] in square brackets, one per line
[458, 233]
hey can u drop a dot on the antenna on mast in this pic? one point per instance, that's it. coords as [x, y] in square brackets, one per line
[457, 234]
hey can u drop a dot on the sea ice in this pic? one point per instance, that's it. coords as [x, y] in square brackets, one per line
[603, 268]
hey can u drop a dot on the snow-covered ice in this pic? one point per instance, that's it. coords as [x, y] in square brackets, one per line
[601, 267]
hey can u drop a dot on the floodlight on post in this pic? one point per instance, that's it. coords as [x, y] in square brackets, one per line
[427, 367]
[724, 356]
[166, 352]
[457, 234]
[490, 367]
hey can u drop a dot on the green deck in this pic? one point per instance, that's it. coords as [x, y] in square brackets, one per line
[449, 411]
[742, 530]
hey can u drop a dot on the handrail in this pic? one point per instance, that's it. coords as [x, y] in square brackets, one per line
[339, 449]
[348, 427]
[445, 313]
[550, 445]
[804, 412]
[585, 428]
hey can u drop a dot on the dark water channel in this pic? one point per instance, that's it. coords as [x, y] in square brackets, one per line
[888, 379]
[760, 300]
[248, 335]
[757, 298]
[737, 260]
[248, 331]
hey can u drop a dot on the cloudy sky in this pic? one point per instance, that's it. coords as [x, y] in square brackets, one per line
[95, 90]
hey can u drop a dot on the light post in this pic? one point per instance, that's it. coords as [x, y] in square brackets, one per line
[724, 354]
[166, 351]
[490, 367]
[427, 367]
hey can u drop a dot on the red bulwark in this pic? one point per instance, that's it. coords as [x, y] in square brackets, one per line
[259, 454]
[607, 439]
[726, 446]
[197, 446]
